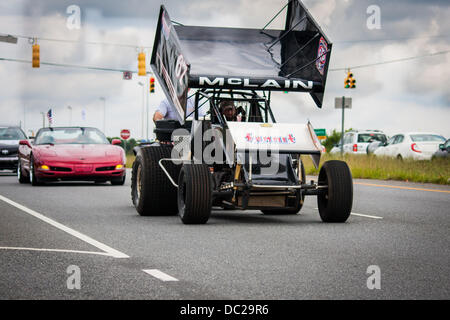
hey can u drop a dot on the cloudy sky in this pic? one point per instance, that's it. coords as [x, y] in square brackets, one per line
[413, 95]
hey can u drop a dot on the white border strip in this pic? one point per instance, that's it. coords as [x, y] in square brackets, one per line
[159, 275]
[55, 250]
[110, 251]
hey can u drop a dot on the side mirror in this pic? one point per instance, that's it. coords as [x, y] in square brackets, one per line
[116, 142]
[441, 147]
[25, 143]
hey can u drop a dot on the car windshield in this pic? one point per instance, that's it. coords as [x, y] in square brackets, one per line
[369, 137]
[427, 138]
[70, 136]
[11, 134]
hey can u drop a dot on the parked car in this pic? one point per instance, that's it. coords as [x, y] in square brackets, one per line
[443, 151]
[356, 142]
[9, 144]
[71, 153]
[415, 145]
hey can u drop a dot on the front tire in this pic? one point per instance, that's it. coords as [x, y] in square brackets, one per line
[194, 194]
[34, 181]
[120, 181]
[20, 176]
[335, 203]
[151, 191]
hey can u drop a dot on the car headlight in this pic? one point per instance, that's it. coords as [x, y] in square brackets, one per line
[44, 167]
[119, 166]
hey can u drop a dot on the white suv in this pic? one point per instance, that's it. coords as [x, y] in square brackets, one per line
[356, 142]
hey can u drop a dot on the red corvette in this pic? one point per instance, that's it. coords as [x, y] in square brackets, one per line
[71, 153]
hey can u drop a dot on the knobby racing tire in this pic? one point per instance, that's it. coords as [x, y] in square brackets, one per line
[151, 191]
[298, 205]
[194, 193]
[20, 176]
[335, 203]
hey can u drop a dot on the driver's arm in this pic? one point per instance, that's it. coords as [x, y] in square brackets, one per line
[161, 111]
[157, 116]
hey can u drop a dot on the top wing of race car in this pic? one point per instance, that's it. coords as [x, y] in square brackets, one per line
[293, 59]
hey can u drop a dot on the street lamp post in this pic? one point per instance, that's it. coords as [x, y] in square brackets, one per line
[104, 114]
[70, 115]
[43, 119]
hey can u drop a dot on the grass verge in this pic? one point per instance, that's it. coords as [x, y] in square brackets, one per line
[382, 168]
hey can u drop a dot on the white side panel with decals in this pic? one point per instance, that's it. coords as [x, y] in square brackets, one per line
[253, 136]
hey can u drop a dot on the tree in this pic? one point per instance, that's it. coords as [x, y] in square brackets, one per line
[333, 139]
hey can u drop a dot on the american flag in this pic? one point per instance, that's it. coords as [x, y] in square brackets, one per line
[50, 117]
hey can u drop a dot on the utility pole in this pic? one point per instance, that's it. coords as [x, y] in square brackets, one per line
[143, 109]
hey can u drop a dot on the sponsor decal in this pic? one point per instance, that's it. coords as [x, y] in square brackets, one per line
[321, 55]
[165, 26]
[259, 139]
[255, 83]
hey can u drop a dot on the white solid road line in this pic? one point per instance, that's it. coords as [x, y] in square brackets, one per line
[110, 251]
[365, 215]
[56, 250]
[361, 215]
[159, 274]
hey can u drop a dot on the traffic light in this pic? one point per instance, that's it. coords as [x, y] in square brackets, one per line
[36, 58]
[349, 81]
[152, 85]
[141, 64]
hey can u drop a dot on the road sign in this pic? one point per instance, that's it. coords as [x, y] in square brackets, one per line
[125, 134]
[338, 103]
[127, 75]
[321, 133]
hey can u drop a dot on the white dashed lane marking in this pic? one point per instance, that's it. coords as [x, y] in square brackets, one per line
[159, 275]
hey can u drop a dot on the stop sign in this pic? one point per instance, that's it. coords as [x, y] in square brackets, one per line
[125, 134]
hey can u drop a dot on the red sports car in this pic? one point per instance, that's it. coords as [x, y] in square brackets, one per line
[71, 153]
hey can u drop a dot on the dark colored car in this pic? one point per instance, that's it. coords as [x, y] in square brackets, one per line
[444, 150]
[71, 153]
[9, 145]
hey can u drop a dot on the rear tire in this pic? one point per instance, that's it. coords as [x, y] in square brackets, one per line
[194, 193]
[335, 204]
[152, 192]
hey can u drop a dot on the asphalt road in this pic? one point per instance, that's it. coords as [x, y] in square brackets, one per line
[402, 228]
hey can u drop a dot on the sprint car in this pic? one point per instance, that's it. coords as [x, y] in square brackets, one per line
[200, 162]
